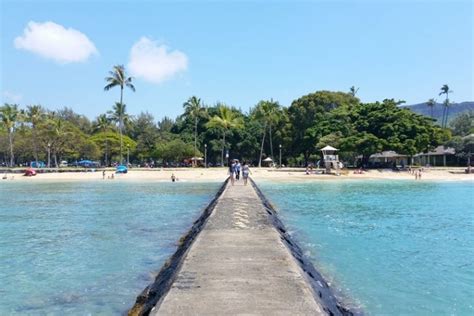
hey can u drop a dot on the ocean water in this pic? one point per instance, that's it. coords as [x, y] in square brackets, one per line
[89, 248]
[388, 247]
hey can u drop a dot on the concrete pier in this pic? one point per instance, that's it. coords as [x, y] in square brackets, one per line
[240, 263]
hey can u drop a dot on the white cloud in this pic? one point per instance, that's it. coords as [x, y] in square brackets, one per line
[12, 97]
[54, 41]
[155, 63]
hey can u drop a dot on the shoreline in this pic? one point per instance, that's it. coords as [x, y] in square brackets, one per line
[289, 175]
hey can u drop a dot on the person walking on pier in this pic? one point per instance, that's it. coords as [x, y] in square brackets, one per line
[237, 170]
[245, 172]
[232, 171]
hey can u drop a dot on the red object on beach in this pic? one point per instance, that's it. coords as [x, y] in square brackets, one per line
[30, 172]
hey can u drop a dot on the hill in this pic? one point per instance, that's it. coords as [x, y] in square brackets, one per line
[454, 110]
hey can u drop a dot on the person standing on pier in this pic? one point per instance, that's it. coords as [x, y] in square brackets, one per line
[232, 171]
[237, 170]
[245, 172]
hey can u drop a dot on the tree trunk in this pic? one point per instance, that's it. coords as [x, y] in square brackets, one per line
[35, 146]
[106, 147]
[261, 147]
[446, 120]
[271, 143]
[365, 160]
[120, 126]
[223, 145]
[195, 141]
[55, 159]
[49, 156]
[121, 142]
[10, 140]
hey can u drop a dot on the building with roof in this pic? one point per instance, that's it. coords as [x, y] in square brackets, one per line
[440, 156]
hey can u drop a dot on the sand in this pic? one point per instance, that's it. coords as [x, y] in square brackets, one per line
[263, 174]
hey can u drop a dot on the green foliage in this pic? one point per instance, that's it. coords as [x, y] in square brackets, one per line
[464, 146]
[306, 116]
[385, 126]
[463, 124]
[310, 123]
[174, 151]
[110, 142]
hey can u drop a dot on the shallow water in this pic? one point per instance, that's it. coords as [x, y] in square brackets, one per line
[391, 247]
[89, 247]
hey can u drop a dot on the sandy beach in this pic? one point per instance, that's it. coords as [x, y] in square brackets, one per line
[220, 174]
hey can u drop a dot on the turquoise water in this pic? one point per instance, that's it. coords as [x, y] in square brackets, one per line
[393, 247]
[88, 247]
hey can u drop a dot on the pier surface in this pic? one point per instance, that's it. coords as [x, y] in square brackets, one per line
[239, 265]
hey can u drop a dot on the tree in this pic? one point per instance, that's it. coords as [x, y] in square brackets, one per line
[118, 77]
[102, 124]
[35, 114]
[80, 121]
[431, 103]
[268, 113]
[145, 132]
[119, 115]
[224, 121]
[305, 112]
[463, 146]
[353, 91]
[193, 108]
[173, 151]
[384, 125]
[113, 143]
[10, 115]
[445, 90]
[463, 124]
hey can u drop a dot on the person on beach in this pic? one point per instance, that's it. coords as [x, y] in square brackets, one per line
[103, 175]
[419, 175]
[245, 172]
[173, 177]
[232, 172]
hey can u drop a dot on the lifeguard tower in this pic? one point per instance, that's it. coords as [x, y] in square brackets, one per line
[331, 159]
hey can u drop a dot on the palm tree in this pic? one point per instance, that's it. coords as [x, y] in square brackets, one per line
[118, 77]
[194, 109]
[9, 116]
[102, 124]
[35, 115]
[225, 120]
[445, 90]
[119, 115]
[267, 112]
[353, 91]
[431, 103]
[446, 104]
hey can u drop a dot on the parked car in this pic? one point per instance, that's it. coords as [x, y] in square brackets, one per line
[63, 163]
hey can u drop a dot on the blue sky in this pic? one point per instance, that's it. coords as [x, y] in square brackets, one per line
[234, 52]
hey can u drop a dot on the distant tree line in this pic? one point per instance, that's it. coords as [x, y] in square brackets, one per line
[339, 119]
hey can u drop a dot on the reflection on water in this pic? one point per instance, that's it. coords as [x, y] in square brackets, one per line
[393, 247]
[88, 248]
